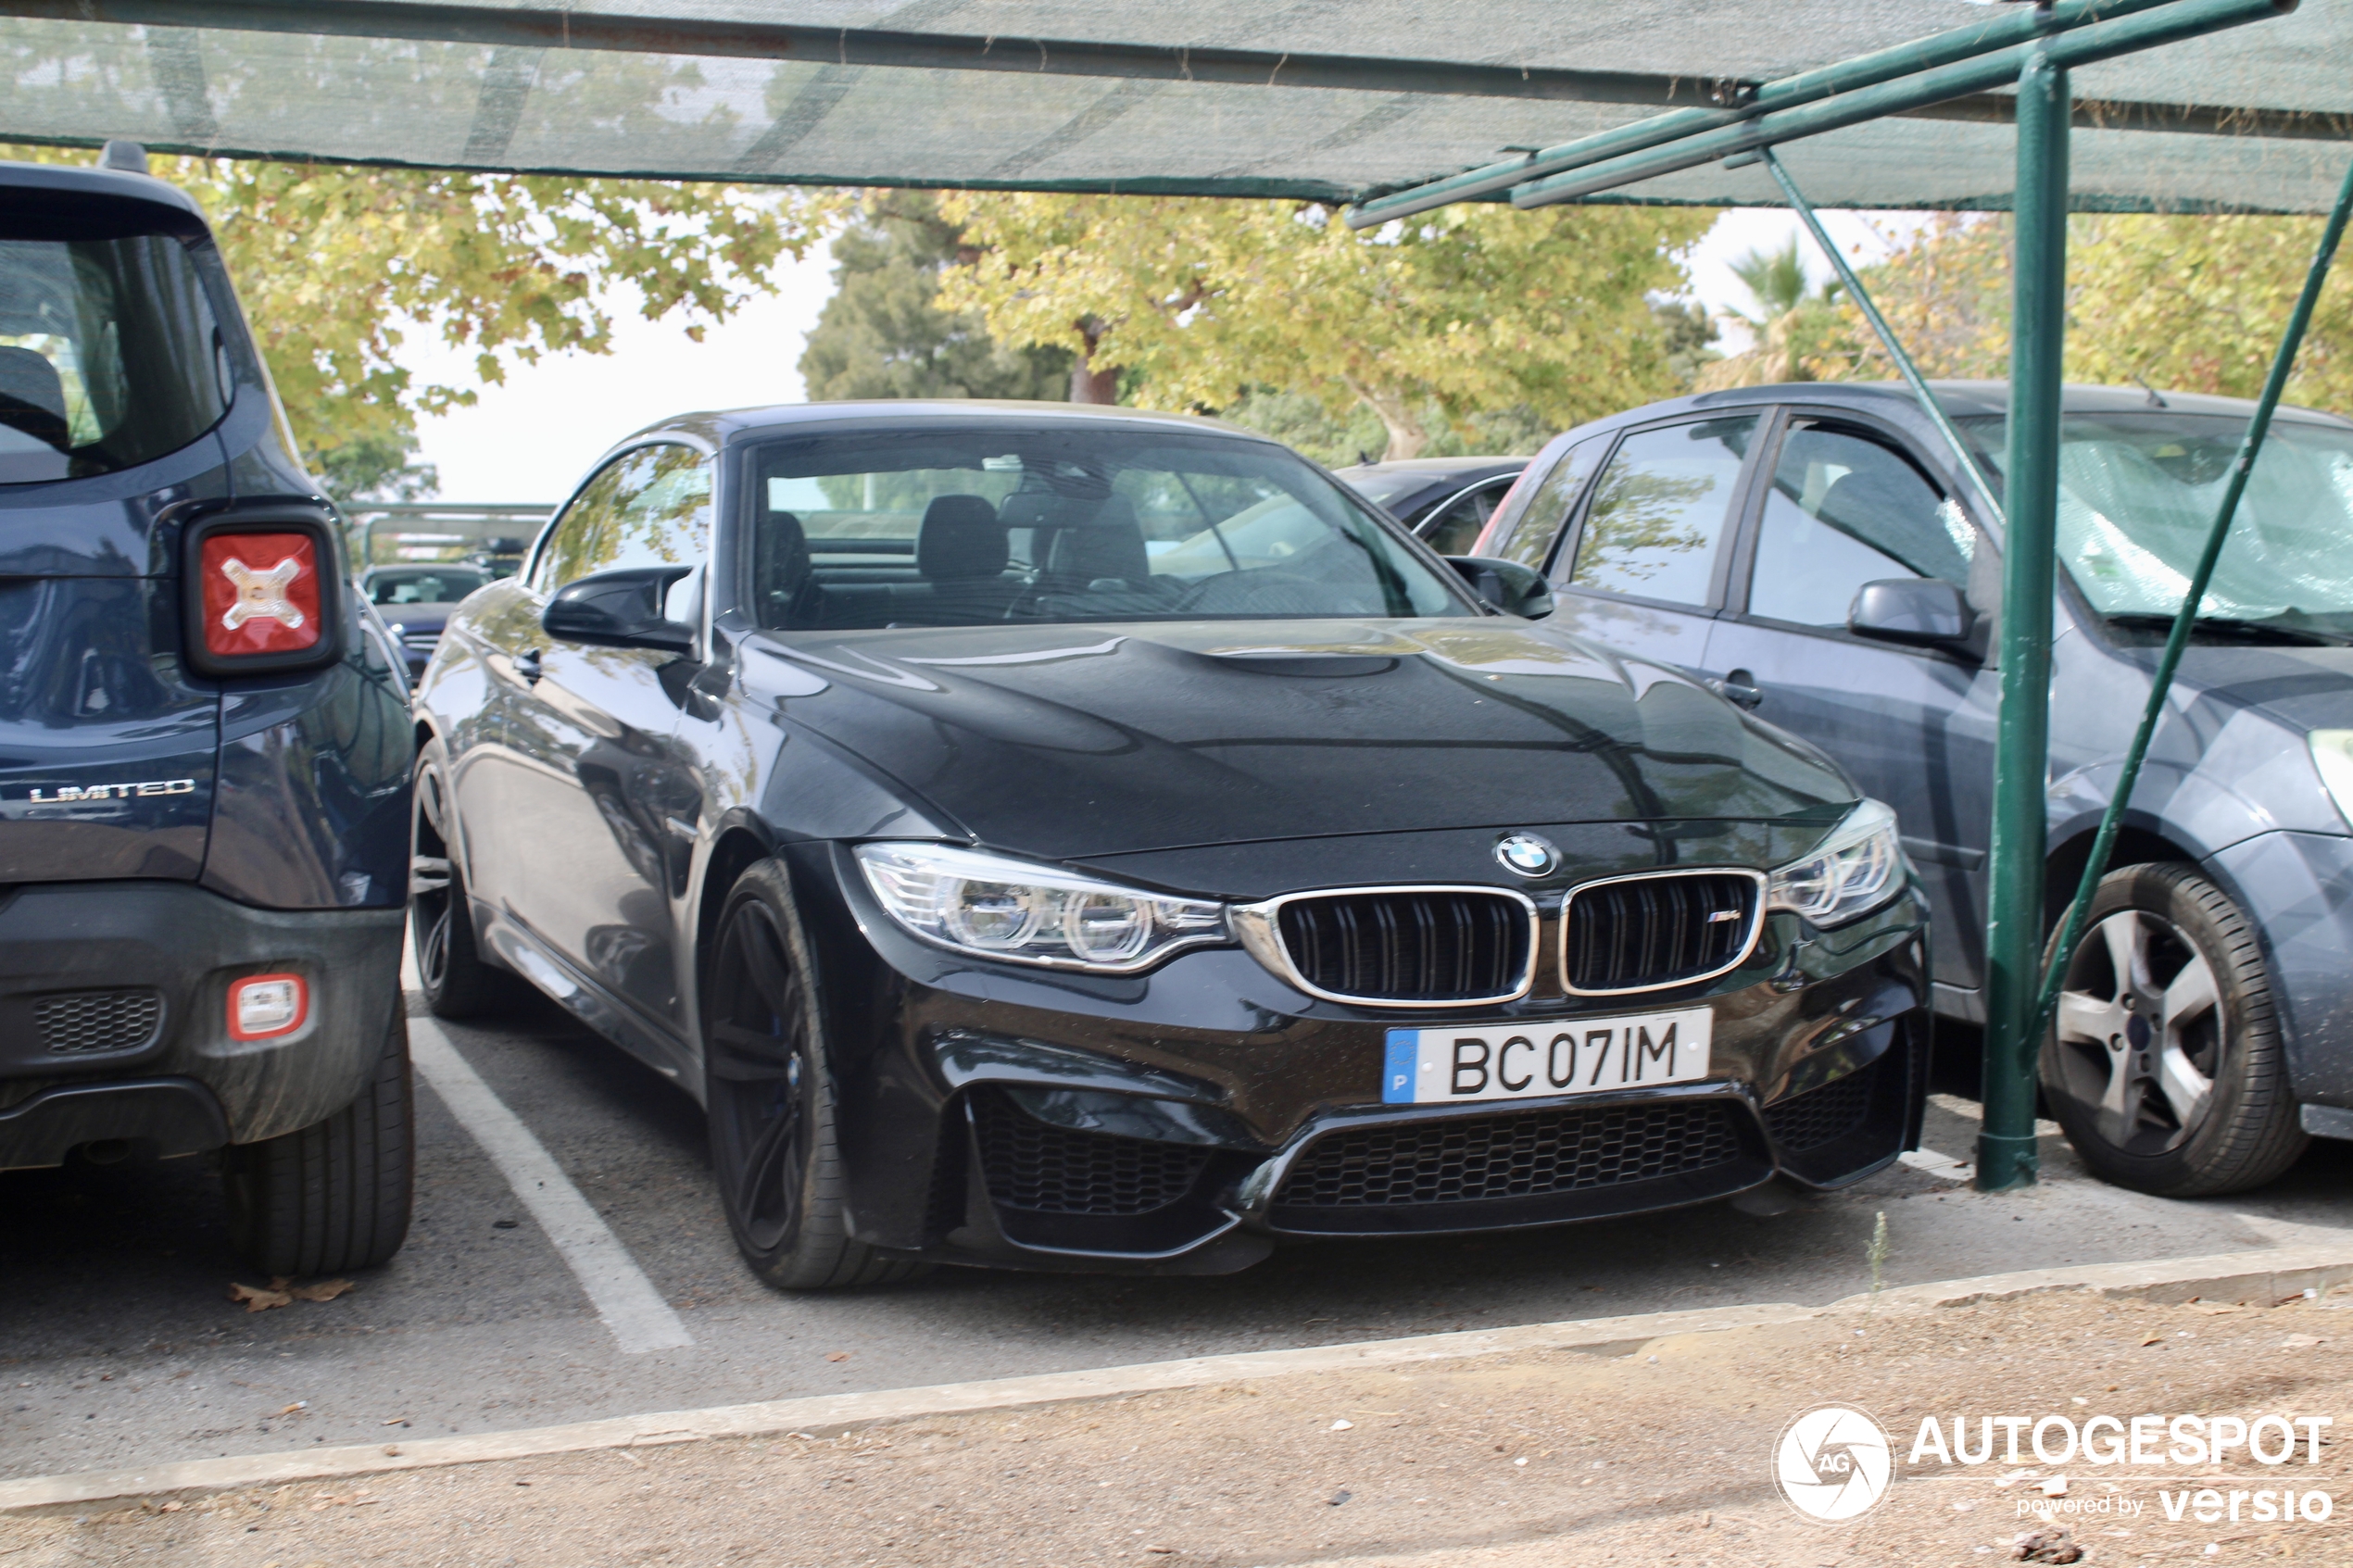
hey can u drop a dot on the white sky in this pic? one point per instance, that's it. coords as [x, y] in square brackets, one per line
[533, 438]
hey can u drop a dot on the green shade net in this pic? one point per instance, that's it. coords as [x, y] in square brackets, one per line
[695, 89]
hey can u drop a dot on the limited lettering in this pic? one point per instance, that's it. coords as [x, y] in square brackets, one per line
[68, 794]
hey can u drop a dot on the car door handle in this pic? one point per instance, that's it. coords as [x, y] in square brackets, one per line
[527, 666]
[1737, 686]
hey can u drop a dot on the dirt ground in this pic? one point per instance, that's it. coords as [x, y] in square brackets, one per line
[1649, 1453]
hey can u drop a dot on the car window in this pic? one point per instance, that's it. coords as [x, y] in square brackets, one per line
[110, 354]
[440, 585]
[1000, 521]
[1454, 529]
[1530, 527]
[1659, 512]
[650, 506]
[1843, 510]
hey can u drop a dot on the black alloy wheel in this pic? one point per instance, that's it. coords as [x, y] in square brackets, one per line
[456, 980]
[771, 1102]
[2164, 1061]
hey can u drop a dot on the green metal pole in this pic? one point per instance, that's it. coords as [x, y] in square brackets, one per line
[1862, 298]
[2001, 30]
[2101, 41]
[2072, 929]
[2014, 917]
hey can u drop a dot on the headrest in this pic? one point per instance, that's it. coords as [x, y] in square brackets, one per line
[1110, 546]
[783, 553]
[1875, 502]
[961, 537]
[32, 397]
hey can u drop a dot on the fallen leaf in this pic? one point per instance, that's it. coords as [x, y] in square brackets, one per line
[2298, 1342]
[1162, 1550]
[259, 1301]
[2154, 1339]
[325, 1290]
[838, 1356]
[2212, 1308]
[1343, 1425]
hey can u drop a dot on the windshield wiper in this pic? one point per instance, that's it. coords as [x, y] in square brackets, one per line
[2277, 630]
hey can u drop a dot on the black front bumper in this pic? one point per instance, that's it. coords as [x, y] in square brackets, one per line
[1186, 1121]
[113, 1016]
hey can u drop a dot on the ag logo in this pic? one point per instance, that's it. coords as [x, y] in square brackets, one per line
[1832, 1463]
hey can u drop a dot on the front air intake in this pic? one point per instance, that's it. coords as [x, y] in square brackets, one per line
[1644, 933]
[1400, 945]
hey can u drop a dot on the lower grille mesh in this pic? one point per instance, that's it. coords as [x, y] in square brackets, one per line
[1056, 1171]
[81, 1022]
[1656, 929]
[1823, 1115]
[1522, 1155]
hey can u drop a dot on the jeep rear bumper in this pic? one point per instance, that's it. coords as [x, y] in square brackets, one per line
[114, 1016]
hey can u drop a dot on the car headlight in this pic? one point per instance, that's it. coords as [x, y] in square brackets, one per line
[1010, 909]
[2333, 754]
[1855, 871]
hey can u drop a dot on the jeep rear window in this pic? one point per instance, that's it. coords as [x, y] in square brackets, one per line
[109, 356]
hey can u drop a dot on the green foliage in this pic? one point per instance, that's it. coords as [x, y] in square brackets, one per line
[330, 261]
[2185, 303]
[1203, 303]
[377, 467]
[1689, 334]
[883, 335]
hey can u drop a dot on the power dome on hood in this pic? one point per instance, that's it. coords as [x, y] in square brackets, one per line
[1068, 742]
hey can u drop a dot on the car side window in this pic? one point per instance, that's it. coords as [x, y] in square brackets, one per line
[1659, 513]
[650, 506]
[1531, 526]
[1458, 527]
[1845, 510]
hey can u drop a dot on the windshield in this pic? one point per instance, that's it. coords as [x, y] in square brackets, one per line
[108, 356]
[2137, 498]
[424, 585]
[1382, 488]
[952, 527]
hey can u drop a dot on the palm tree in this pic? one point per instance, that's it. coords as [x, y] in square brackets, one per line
[1785, 301]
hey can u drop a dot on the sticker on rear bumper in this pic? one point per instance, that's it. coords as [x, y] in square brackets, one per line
[1581, 1056]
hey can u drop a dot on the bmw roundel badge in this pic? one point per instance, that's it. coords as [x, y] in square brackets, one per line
[1527, 853]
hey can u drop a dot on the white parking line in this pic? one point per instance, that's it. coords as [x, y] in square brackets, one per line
[624, 1297]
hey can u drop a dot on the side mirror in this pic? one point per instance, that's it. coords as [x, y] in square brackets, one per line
[1923, 612]
[1509, 586]
[620, 608]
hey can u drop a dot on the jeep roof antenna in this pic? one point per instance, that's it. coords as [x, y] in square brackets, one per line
[123, 155]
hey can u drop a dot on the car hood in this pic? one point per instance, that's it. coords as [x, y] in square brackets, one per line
[1072, 741]
[2304, 688]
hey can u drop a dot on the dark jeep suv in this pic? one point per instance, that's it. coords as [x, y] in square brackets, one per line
[204, 746]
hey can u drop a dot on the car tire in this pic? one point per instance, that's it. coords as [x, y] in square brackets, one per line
[336, 1195]
[2164, 1063]
[450, 970]
[770, 1099]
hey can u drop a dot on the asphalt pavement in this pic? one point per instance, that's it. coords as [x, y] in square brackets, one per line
[119, 1343]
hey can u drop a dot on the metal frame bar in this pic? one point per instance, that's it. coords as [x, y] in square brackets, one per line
[563, 27]
[1904, 366]
[2283, 362]
[2175, 23]
[2005, 1153]
[1998, 32]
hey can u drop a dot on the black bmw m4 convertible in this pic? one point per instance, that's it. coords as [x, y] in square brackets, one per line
[1066, 838]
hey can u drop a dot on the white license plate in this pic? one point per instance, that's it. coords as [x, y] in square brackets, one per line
[1579, 1056]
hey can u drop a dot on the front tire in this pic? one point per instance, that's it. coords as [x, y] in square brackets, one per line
[770, 1099]
[336, 1195]
[2164, 1063]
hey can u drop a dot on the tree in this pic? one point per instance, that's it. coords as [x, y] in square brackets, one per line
[335, 264]
[1795, 321]
[1191, 303]
[376, 467]
[2185, 303]
[883, 335]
